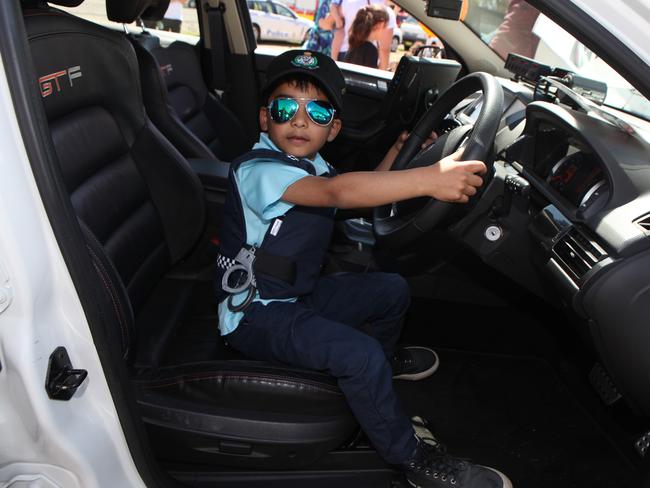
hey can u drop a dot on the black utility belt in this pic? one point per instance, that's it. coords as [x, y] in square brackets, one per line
[240, 271]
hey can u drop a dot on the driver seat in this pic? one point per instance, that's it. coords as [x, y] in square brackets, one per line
[142, 212]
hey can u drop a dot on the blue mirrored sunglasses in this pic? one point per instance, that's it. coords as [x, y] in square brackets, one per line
[284, 109]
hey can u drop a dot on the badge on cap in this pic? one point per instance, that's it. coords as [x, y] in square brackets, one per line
[305, 60]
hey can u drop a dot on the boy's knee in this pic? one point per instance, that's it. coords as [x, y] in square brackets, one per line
[366, 359]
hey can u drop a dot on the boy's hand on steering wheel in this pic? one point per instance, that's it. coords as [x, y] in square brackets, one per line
[453, 180]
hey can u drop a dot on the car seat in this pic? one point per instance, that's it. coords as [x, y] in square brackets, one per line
[142, 211]
[180, 104]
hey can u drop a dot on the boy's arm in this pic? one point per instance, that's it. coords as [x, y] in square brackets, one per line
[448, 180]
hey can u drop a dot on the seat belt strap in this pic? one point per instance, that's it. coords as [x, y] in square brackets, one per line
[218, 47]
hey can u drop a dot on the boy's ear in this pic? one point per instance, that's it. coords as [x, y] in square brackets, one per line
[334, 130]
[264, 119]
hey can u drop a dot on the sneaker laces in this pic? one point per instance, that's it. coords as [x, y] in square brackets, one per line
[435, 462]
[403, 360]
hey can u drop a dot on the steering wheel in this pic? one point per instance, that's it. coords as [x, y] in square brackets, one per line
[396, 225]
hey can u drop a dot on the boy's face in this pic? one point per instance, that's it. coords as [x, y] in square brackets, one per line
[299, 137]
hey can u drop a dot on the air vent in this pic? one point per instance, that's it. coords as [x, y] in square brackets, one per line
[578, 253]
[644, 223]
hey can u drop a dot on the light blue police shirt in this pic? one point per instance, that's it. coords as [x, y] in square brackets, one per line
[261, 184]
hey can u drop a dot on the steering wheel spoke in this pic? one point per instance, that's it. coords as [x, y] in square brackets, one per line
[397, 225]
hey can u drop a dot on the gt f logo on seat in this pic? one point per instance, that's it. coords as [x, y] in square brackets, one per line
[51, 83]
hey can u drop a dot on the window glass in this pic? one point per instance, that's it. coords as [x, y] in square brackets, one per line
[321, 26]
[515, 26]
[181, 16]
[282, 10]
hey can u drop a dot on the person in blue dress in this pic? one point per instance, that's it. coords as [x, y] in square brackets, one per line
[325, 24]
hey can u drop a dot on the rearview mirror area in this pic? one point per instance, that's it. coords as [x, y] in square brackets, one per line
[444, 9]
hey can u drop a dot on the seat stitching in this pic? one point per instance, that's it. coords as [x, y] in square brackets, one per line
[117, 305]
[285, 382]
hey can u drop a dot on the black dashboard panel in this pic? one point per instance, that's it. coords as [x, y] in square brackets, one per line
[569, 167]
[567, 216]
[596, 174]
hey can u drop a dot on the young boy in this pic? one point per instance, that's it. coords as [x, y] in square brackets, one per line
[275, 306]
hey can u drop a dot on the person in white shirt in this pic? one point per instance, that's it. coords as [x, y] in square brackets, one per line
[173, 16]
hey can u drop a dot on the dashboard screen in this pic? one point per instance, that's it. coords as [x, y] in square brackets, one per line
[569, 167]
[575, 175]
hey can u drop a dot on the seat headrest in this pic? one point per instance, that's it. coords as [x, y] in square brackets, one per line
[43, 3]
[66, 3]
[127, 11]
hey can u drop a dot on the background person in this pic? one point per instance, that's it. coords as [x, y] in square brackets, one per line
[515, 34]
[173, 17]
[366, 28]
[326, 20]
[349, 9]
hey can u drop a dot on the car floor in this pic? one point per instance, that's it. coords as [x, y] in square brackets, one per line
[511, 391]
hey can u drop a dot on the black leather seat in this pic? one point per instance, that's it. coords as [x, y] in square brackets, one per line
[142, 211]
[179, 103]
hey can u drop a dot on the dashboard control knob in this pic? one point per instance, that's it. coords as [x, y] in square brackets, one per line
[493, 233]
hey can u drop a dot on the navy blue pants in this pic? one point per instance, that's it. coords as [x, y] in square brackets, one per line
[323, 332]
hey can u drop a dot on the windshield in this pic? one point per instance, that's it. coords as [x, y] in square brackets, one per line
[514, 26]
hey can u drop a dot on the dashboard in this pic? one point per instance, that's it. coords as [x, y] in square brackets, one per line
[564, 212]
[567, 216]
[569, 167]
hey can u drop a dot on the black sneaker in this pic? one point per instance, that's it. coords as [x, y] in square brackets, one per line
[414, 363]
[433, 468]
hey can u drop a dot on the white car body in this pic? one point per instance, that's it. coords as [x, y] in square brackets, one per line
[46, 443]
[277, 22]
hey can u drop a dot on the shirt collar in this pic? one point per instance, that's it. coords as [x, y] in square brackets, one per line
[265, 142]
